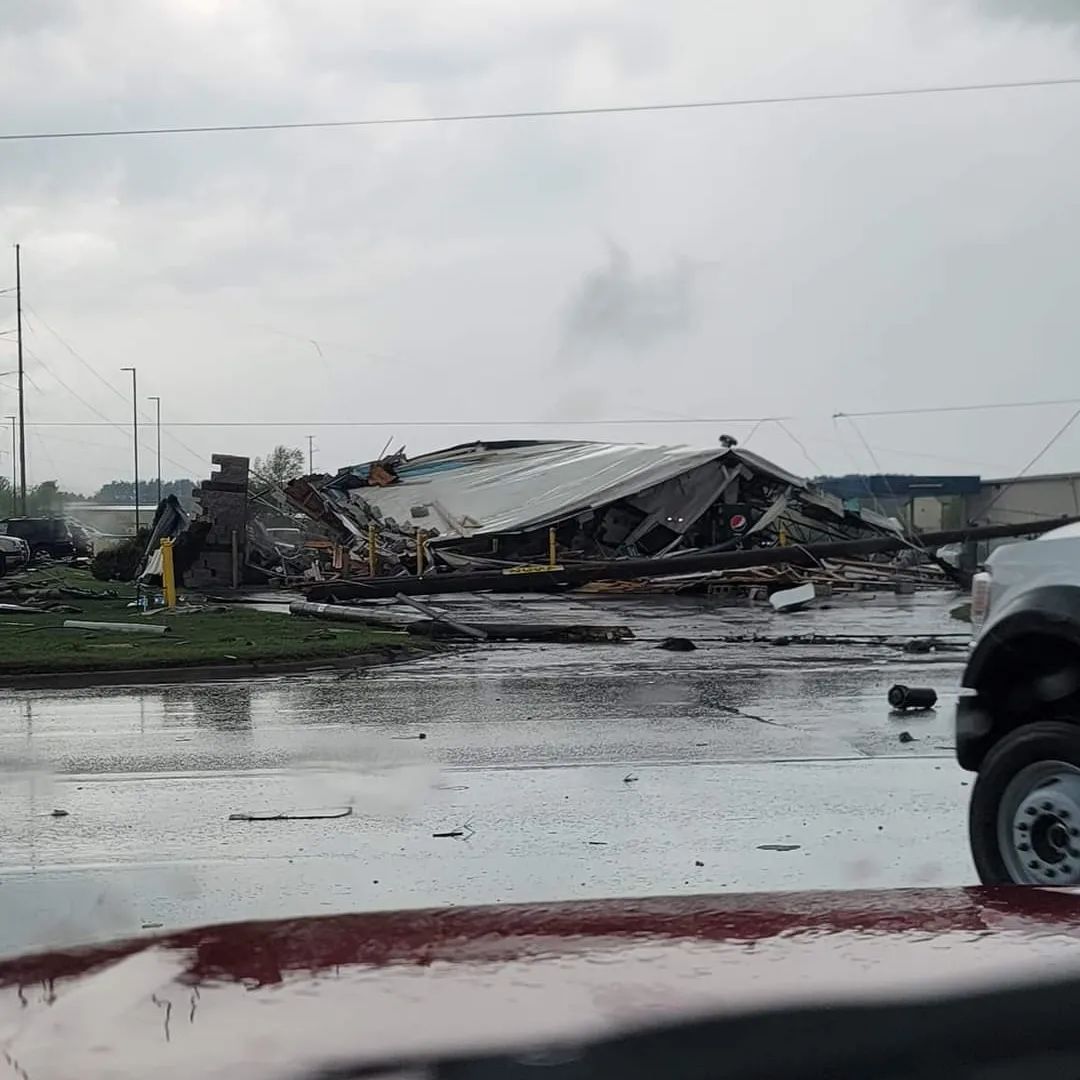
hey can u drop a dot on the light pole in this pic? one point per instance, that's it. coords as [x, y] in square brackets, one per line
[157, 405]
[14, 458]
[310, 455]
[22, 409]
[135, 438]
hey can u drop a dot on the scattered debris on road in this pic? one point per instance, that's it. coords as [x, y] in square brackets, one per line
[59, 813]
[677, 644]
[629, 778]
[462, 832]
[962, 612]
[440, 626]
[748, 716]
[291, 815]
[796, 599]
[912, 698]
[779, 847]
[906, 737]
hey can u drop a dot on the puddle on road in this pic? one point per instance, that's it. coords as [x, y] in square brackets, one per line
[169, 763]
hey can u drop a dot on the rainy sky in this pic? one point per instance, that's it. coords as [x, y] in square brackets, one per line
[690, 271]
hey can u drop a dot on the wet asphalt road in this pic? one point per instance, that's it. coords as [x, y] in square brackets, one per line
[571, 771]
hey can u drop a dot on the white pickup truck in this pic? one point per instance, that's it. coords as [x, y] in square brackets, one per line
[1018, 726]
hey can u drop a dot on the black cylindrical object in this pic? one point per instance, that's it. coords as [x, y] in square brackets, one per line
[912, 697]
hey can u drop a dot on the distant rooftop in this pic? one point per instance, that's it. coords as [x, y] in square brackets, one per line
[898, 485]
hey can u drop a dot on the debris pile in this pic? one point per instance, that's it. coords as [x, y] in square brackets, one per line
[523, 506]
[530, 515]
[828, 576]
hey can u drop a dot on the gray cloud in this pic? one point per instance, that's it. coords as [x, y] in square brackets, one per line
[1040, 11]
[616, 304]
[872, 254]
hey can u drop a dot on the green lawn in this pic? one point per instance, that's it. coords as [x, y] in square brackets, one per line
[36, 643]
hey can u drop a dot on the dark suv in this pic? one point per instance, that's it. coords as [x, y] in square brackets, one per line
[56, 537]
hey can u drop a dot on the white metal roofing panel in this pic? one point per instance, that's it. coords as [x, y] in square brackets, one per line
[478, 490]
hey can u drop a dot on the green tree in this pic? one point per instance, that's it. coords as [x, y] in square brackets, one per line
[282, 464]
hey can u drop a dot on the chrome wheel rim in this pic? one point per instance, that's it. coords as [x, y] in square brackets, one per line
[1038, 824]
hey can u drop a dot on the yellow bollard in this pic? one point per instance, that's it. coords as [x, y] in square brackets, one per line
[551, 549]
[168, 574]
[372, 564]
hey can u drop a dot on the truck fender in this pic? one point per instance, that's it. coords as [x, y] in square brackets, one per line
[1025, 667]
[1048, 611]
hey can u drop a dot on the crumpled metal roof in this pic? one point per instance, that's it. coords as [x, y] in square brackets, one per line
[486, 488]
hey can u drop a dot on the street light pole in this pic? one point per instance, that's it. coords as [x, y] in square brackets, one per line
[22, 411]
[13, 460]
[310, 455]
[157, 404]
[135, 439]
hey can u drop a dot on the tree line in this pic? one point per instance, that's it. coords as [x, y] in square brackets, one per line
[49, 498]
[282, 464]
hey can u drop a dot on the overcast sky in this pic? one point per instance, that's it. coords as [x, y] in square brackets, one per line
[793, 260]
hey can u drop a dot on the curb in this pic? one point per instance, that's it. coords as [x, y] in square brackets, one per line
[203, 672]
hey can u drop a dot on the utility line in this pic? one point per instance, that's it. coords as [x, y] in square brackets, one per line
[105, 382]
[799, 443]
[97, 412]
[599, 421]
[78, 356]
[926, 409]
[1023, 472]
[414, 423]
[533, 114]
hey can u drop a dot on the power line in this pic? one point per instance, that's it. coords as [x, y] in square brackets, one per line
[958, 408]
[78, 356]
[533, 114]
[578, 422]
[1053, 439]
[799, 443]
[105, 382]
[75, 394]
[418, 423]
[106, 422]
[1023, 472]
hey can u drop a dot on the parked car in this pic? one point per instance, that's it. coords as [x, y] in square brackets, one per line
[14, 554]
[1019, 725]
[51, 536]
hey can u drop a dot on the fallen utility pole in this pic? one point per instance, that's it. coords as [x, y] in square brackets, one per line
[444, 629]
[440, 616]
[543, 580]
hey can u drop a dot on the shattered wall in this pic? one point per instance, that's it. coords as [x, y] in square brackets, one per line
[222, 505]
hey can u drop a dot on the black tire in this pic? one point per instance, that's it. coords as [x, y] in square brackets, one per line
[1045, 741]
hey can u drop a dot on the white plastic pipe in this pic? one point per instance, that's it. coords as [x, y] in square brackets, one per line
[118, 627]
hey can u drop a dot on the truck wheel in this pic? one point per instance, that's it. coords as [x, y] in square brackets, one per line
[1024, 818]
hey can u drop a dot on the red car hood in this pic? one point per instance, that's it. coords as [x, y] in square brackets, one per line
[274, 999]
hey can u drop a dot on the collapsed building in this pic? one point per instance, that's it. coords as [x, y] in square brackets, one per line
[486, 505]
[567, 514]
